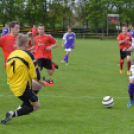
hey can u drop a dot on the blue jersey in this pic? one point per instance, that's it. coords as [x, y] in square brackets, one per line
[132, 33]
[69, 39]
[5, 30]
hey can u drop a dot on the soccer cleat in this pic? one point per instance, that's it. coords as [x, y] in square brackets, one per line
[48, 82]
[121, 71]
[128, 72]
[9, 116]
[130, 103]
[66, 64]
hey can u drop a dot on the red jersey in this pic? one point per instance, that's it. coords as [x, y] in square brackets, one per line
[8, 44]
[126, 44]
[34, 31]
[41, 42]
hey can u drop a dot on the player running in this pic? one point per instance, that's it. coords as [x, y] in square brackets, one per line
[8, 45]
[20, 72]
[43, 46]
[68, 43]
[124, 40]
[131, 78]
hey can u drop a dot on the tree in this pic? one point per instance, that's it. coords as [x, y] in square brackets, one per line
[96, 13]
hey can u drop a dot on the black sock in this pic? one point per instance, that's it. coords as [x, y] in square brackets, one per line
[23, 111]
[23, 104]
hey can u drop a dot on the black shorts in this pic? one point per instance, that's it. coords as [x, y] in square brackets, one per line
[28, 96]
[46, 63]
[124, 54]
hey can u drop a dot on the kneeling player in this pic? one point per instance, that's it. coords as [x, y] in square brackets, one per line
[20, 72]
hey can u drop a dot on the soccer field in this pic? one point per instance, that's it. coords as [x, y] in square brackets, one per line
[74, 104]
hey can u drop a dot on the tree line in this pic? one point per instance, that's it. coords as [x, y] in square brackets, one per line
[60, 13]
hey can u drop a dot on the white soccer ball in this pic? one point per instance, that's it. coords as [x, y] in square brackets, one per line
[108, 101]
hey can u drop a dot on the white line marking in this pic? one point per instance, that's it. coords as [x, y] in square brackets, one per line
[89, 97]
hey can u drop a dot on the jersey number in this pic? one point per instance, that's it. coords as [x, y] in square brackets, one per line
[13, 64]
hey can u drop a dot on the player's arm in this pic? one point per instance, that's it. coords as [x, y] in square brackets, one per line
[123, 41]
[53, 42]
[63, 42]
[64, 39]
[30, 34]
[131, 48]
[74, 43]
[31, 49]
[54, 45]
[131, 39]
[32, 39]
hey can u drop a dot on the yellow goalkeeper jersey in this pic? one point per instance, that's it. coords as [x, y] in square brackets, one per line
[20, 70]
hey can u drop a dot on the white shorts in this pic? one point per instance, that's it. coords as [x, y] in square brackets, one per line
[68, 49]
[131, 72]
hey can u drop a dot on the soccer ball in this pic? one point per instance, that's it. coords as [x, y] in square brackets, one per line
[108, 101]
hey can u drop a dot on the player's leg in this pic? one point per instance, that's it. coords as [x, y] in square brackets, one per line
[31, 104]
[128, 62]
[54, 65]
[40, 63]
[50, 72]
[121, 65]
[131, 87]
[36, 86]
[29, 107]
[67, 52]
[48, 65]
[122, 57]
[64, 59]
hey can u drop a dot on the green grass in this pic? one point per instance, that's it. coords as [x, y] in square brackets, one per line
[74, 104]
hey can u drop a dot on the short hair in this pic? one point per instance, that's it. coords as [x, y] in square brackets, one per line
[69, 27]
[41, 25]
[13, 23]
[21, 40]
[125, 26]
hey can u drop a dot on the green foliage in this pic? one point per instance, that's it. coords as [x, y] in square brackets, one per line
[55, 13]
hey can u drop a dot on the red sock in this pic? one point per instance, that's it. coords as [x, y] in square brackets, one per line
[121, 65]
[53, 66]
[128, 65]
